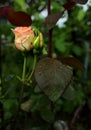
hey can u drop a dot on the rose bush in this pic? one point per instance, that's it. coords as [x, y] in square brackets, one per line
[26, 38]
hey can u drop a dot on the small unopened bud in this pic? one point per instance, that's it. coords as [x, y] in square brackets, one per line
[38, 42]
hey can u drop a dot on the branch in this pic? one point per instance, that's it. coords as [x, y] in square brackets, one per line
[50, 32]
[77, 112]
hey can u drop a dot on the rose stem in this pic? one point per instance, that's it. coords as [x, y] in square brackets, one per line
[50, 49]
[49, 32]
[23, 80]
[24, 68]
[34, 63]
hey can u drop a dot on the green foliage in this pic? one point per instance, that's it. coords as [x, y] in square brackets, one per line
[35, 111]
[10, 106]
[81, 15]
[62, 42]
[20, 5]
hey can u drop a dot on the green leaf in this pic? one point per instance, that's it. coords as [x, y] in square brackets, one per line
[47, 115]
[80, 15]
[53, 77]
[44, 109]
[77, 50]
[80, 96]
[10, 107]
[20, 5]
[26, 106]
[70, 93]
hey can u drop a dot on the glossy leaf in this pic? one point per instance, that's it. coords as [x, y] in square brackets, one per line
[18, 18]
[52, 19]
[53, 77]
[71, 61]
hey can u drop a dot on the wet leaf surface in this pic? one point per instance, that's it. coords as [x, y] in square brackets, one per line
[53, 77]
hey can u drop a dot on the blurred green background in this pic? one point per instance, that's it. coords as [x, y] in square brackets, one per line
[71, 37]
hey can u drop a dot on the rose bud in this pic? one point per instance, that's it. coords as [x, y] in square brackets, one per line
[24, 37]
[38, 41]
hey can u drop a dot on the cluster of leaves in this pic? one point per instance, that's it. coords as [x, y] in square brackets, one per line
[68, 40]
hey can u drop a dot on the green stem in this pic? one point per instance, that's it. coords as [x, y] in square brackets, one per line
[35, 59]
[24, 68]
[23, 79]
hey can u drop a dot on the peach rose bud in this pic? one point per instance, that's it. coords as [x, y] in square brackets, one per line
[24, 37]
